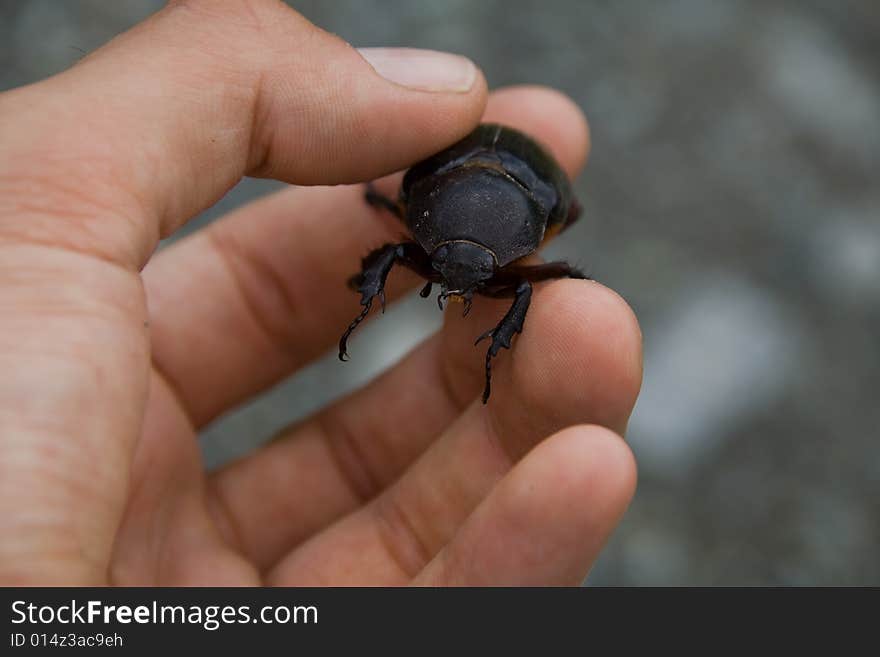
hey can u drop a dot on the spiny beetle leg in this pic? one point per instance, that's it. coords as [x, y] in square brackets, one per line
[377, 200]
[545, 271]
[510, 325]
[343, 341]
[370, 283]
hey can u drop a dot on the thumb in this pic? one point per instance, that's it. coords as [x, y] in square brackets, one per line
[162, 121]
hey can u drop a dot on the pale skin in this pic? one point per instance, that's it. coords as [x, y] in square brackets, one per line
[113, 357]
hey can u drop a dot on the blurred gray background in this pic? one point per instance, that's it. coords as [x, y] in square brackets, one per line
[732, 197]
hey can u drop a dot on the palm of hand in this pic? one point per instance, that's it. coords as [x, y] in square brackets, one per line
[409, 480]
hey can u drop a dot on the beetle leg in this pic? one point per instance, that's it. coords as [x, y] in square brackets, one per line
[515, 281]
[377, 200]
[536, 273]
[370, 283]
[426, 291]
[510, 325]
[505, 292]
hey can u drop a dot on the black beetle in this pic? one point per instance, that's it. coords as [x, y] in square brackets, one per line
[475, 210]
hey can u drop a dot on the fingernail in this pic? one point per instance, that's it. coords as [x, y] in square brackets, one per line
[424, 70]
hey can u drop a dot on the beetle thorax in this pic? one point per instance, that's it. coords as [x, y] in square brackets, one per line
[478, 205]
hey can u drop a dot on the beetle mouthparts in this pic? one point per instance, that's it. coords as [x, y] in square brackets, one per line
[456, 296]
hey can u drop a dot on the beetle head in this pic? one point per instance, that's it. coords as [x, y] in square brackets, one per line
[464, 266]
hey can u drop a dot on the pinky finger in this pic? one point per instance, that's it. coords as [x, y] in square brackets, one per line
[546, 521]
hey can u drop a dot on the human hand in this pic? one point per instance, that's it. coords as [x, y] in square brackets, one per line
[111, 365]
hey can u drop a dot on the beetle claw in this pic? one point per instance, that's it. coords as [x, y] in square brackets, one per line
[487, 390]
[343, 341]
[483, 336]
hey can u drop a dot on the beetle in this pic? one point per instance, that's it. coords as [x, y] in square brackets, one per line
[475, 210]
